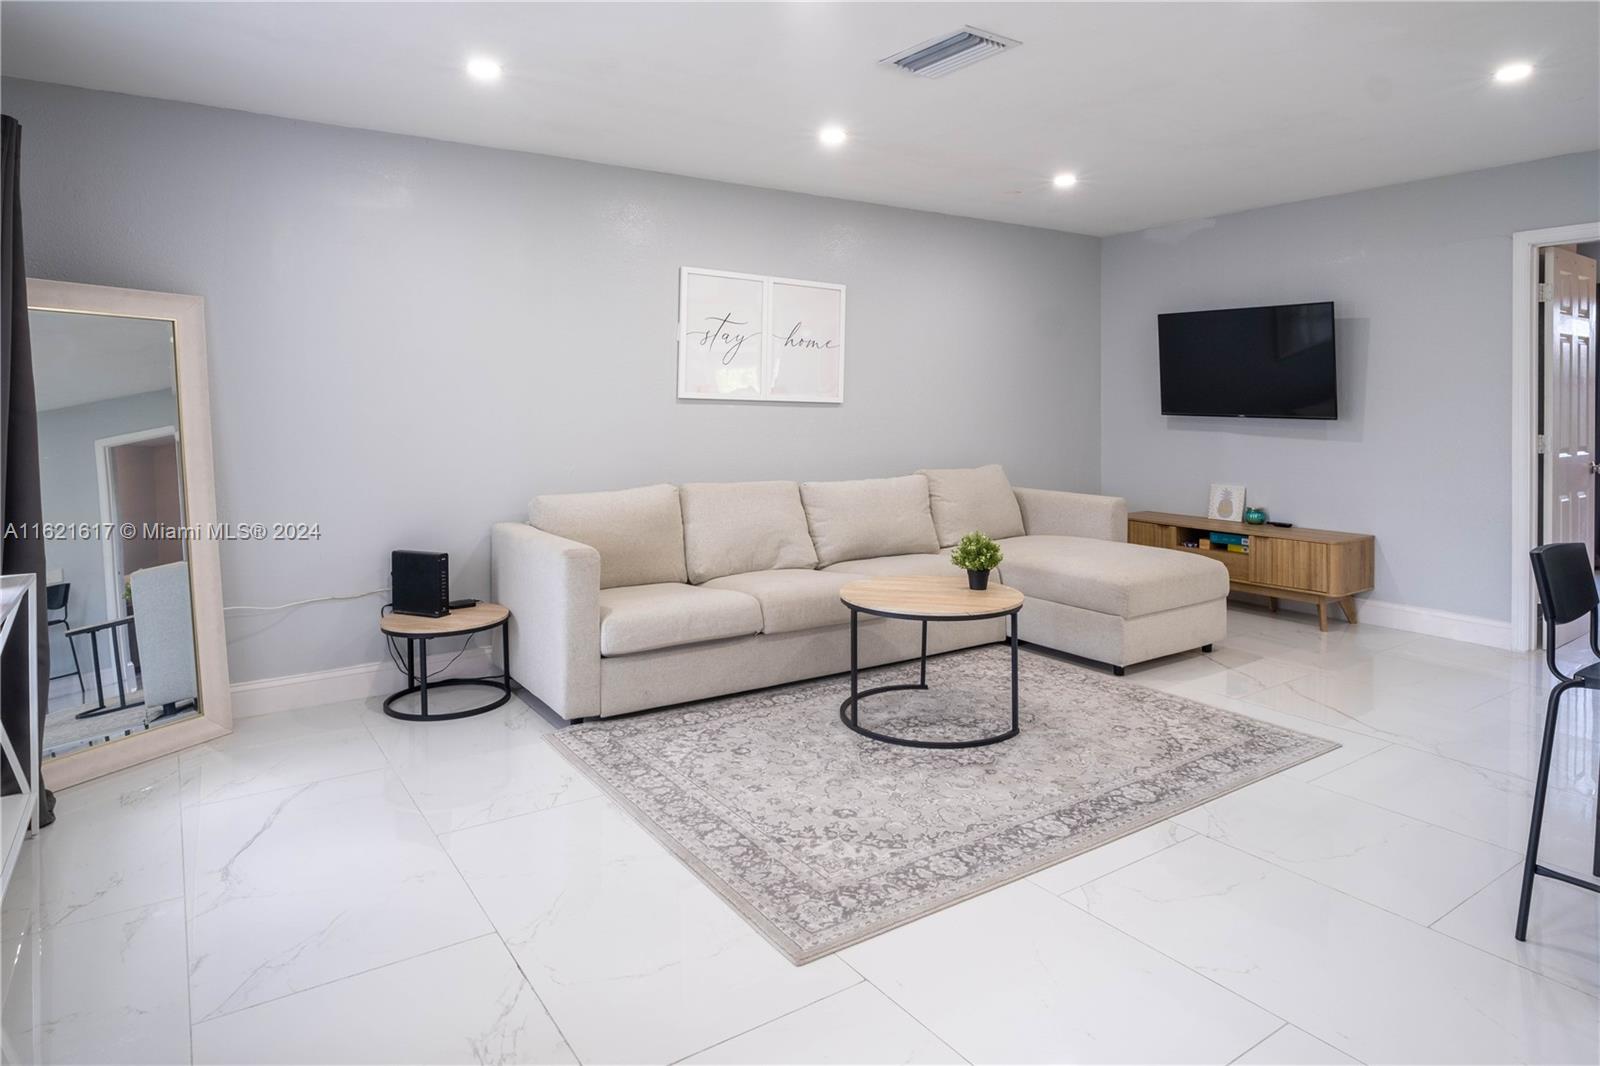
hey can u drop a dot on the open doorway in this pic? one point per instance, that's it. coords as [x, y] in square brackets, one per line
[1587, 256]
[1566, 483]
[1555, 400]
[140, 494]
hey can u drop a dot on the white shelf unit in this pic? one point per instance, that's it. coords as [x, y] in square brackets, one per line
[18, 622]
[21, 963]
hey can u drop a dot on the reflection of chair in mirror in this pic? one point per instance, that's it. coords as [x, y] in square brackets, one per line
[166, 636]
[55, 599]
[115, 628]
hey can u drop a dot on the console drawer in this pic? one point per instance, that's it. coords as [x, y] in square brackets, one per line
[1289, 564]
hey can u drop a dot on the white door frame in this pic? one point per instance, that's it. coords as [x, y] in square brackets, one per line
[108, 542]
[1524, 416]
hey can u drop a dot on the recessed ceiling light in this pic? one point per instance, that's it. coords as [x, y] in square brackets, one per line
[482, 68]
[1513, 72]
[1064, 181]
[832, 136]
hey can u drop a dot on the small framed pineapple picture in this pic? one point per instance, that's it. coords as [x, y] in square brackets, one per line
[1227, 503]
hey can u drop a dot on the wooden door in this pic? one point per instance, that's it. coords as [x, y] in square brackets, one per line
[1569, 423]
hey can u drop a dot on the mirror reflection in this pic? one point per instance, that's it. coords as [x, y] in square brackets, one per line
[117, 575]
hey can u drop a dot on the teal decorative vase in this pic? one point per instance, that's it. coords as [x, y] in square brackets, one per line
[1255, 516]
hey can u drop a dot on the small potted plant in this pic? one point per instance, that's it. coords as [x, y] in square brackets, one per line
[977, 555]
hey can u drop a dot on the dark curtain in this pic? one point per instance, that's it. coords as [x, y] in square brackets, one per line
[21, 547]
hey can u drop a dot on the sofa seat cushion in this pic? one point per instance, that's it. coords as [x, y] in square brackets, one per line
[792, 599]
[638, 532]
[1126, 580]
[935, 565]
[864, 519]
[978, 500]
[744, 526]
[636, 618]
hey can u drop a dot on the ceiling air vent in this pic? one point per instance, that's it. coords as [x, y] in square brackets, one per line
[940, 56]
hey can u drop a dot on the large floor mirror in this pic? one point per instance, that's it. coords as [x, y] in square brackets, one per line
[138, 662]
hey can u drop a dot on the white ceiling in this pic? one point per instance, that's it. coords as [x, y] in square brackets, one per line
[85, 358]
[1166, 111]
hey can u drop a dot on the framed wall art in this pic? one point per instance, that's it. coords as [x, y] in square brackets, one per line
[757, 338]
[1226, 503]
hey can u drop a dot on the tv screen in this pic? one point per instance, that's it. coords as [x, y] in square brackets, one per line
[1250, 362]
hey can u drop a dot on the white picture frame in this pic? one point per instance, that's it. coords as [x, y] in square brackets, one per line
[722, 335]
[758, 338]
[1226, 503]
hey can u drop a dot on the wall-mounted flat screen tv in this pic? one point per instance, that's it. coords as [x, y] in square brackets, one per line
[1250, 362]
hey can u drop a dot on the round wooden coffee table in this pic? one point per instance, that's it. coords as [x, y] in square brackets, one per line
[461, 622]
[925, 599]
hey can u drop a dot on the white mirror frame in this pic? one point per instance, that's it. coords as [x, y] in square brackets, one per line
[188, 317]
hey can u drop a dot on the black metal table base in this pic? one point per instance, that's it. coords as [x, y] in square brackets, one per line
[850, 709]
[93, 632]
[417, 680]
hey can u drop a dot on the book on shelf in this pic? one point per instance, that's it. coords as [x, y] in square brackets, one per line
[1242, 549]
[1228, 538]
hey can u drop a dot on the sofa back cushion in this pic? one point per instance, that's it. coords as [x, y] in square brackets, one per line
[638, 532]
[742, 527]
[865, 519]
[978, 499]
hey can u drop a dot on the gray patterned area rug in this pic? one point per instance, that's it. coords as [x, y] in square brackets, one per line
[822, 838]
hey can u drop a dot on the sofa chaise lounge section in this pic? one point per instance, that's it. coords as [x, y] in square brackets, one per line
[641, 598]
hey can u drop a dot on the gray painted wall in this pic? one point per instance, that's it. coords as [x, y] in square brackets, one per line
[1420, 456]
[409, 338]
[70, 487]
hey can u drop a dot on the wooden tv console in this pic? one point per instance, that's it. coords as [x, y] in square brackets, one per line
[1314, 565]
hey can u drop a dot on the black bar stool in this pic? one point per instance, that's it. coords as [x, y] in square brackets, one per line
[1567, 592]
[55, 599]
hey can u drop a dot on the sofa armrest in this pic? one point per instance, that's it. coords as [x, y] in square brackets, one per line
[1073, 514]
[552, 587]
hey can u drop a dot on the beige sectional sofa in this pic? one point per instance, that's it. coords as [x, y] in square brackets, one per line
[622, 601]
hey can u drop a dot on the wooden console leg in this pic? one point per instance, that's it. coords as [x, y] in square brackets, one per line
[1322, 615]
[1348, 606]
[1272, 604]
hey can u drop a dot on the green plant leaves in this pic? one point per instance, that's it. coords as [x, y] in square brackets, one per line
[976, 552]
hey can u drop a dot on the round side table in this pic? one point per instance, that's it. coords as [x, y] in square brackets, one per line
[418, 630]
[925, 599]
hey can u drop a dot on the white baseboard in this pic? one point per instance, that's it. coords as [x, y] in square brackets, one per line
[1432, 622]
[381, 678]
[271, 694]
[1428, 621]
